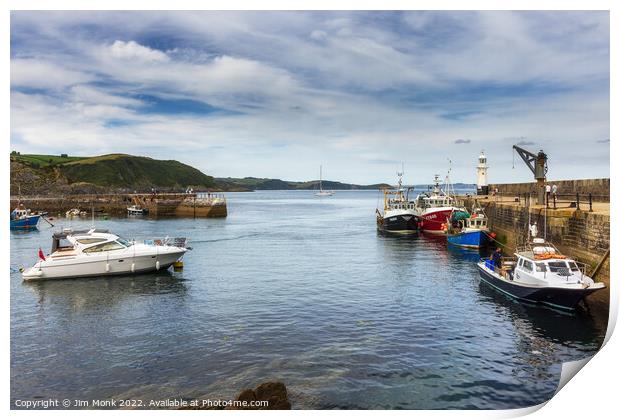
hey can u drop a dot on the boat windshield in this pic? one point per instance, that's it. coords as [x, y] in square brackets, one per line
[124, 242]
[555, 266]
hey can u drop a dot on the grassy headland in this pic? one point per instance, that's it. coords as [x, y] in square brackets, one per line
[36, 174]
[47, 174]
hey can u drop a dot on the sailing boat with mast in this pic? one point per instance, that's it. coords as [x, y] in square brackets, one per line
[322, 192]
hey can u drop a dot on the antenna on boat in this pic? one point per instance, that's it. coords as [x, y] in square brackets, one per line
[447, 185]
[400, 175]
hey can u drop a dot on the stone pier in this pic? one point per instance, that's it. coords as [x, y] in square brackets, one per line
[159, 205]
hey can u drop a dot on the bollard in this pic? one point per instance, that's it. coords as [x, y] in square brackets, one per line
[577, 201]
[554, 201]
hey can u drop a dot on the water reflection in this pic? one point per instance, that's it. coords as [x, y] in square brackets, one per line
[102, 292]
[466, 254]
[578, 327]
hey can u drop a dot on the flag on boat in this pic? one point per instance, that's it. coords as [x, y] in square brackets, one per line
[41, 254]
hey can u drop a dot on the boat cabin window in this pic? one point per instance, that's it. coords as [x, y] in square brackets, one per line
[527, 265]
[108, 246]
[573, 266]
[124, 242]
[555, 266]
[86, 241]
[541, 267]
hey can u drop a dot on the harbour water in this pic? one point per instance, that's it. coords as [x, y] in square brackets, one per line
[296, 288]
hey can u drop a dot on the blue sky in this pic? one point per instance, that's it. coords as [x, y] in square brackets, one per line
[276, 94]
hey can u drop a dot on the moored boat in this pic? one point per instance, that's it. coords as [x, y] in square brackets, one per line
[399, 214]
[70, 214]
[24, 219]
[97, 252]
[435, 208]
[136, 210]
[321, 192]
[539, 273]
[469, 231]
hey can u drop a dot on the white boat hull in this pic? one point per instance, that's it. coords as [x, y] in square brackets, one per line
[104, 264]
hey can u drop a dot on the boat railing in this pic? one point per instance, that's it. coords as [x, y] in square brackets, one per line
[180, 242]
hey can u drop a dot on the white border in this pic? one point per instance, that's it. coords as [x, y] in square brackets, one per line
[590, 395]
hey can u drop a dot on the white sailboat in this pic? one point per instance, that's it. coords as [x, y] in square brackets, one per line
[322, 192]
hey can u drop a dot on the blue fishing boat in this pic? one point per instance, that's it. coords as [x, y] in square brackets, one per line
[24, 219]
[469, 231]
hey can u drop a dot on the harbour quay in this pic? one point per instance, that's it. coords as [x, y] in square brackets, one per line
[201, 204]
[576, 220]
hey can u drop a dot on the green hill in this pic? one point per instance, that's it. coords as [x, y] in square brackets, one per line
[251, 183]
[113, 172]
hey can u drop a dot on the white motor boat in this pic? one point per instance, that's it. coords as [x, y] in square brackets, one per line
[75, 213]
[540, 273]
[136, 210]
[97, 252]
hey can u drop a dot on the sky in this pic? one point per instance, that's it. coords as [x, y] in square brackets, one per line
[277, 94]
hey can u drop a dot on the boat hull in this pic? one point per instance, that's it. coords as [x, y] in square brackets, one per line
[557, 297]
[101, 266]
[401, 223]
[434, 221]
[475, 239]
[27, 223]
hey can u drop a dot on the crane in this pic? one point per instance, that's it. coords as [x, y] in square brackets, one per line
[538, 165]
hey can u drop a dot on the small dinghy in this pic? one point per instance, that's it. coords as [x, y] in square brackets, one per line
[539, 273]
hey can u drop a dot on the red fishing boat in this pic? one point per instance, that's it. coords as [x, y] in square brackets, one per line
[435, 208]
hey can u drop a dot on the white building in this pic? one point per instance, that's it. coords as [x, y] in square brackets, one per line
[481, 183]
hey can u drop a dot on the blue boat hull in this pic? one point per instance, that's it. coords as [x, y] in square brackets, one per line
[27, 223]
[475, 239]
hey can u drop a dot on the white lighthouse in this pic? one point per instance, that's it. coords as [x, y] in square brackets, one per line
[481, 184]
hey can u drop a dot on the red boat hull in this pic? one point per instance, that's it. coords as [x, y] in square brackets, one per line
[434, 221]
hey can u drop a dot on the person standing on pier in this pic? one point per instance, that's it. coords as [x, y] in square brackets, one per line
[548, 191]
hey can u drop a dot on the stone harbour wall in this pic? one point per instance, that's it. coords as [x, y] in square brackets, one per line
[599, 188]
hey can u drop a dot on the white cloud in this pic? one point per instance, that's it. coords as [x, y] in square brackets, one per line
[133, 51]
[37, 73]
[337, 88]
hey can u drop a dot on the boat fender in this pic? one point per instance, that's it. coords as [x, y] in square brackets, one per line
[133, 267]
[107, 267]
[157, 265]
